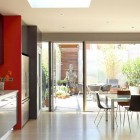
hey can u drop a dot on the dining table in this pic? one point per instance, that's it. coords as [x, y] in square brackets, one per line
[113, 97]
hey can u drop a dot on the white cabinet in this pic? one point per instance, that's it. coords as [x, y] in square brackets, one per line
[8, 111]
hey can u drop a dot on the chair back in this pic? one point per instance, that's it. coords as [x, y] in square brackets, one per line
[98, 100]
[123, 92]
[94, 87]
[106, 87]
[134, 103]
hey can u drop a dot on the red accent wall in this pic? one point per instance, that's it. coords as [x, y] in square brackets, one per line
[1, 40]
[12, 57]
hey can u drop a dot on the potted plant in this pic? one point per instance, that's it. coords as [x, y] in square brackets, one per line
[62, 92]
[64, 82]
[131, 69]
[46, 101]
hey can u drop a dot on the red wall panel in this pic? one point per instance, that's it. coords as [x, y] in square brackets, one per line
[1, 40]
[12, 57]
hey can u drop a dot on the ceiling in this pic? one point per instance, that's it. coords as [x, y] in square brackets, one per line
[109, 16]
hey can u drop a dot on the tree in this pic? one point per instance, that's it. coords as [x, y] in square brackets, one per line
[131, 69]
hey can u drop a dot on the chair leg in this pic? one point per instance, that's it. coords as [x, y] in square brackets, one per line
[138, 118]
[128, 121]
[120, 113]
[131, 115]
[100, 118]
[116, 119]
[116, 111]
[97, 115]
[124, 118]
[79, 93]
[118, 108]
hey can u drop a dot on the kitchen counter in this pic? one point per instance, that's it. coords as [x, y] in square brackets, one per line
[4, 93]
[8, 110]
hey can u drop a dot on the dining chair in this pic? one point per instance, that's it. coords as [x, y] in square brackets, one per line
[133, 107]
[101, 105]
[122, 104]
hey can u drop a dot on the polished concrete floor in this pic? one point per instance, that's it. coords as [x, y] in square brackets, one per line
[75, 126]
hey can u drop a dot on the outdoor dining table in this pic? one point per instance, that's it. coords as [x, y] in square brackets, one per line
[113, 97]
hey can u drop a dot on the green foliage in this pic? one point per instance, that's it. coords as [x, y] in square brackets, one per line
[45, 69]
[62, 88]
[61, 82]
[131, 69]
[62, 91]
[111, 60]
[47, 94]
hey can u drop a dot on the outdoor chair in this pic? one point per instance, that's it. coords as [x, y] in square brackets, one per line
[105, 88]
[80, 89]
[93, 89]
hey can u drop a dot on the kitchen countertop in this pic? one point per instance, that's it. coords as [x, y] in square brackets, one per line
[7, 96]
[5, 93]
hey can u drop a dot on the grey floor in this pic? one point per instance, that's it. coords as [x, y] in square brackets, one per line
[75, 126]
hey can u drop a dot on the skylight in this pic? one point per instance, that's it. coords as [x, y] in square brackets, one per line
[59, 3]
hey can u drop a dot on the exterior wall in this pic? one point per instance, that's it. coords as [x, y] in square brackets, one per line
[69, 55]
[34, 38]
[96, 37]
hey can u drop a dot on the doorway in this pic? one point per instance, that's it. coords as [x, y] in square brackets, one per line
[67, 74]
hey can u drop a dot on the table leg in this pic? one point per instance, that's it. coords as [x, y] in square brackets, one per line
[106, 101]
[112, 114]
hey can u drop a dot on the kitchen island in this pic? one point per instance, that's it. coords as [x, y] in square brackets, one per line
[8, 111]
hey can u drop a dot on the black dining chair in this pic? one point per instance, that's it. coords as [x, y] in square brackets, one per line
[134, 107]
[101, 105]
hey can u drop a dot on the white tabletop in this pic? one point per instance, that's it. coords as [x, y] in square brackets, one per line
[120, 98]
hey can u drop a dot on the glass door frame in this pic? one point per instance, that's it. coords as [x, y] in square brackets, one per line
[51, 78]
[84, 76]
[50, 82]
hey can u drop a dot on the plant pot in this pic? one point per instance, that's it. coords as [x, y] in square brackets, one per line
[134, 90]
[46, 103]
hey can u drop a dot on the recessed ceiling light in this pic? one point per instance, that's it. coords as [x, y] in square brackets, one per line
[59, 3]
[61, 14]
